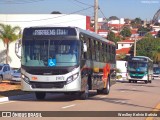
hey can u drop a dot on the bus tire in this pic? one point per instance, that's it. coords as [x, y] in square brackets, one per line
[129, 81]
[146, 82]
[107, 89]
[85, 94]
[150, 81]
[40, 95]
[99, 91]
[1, 78]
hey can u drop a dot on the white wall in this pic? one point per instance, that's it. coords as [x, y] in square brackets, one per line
[121, 65]
[27, 20]
[125, 45]
[121, 21]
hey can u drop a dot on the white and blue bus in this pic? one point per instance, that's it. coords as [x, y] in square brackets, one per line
[140, 68]
[66, 60]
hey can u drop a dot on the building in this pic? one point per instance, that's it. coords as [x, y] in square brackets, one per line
[124, 47]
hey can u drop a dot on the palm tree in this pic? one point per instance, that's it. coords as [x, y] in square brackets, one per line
[156, 55]
[9, 34]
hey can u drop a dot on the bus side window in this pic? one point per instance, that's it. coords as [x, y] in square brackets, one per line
[89, 48]
[83, 54]
[97, 50]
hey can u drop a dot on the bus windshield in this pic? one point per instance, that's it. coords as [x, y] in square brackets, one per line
[137, 66]
[50, 53]
[156, 70]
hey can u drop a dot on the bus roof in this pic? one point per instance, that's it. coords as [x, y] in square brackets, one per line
[79, 30]
[90, 33]
[141, 57]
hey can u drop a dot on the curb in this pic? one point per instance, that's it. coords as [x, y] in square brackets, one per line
[17, 97]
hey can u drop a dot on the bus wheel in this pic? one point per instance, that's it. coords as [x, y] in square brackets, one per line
[107, 89]
[40, 95]
[84, 95]
[1, 78]
[99, 91]
[129, 81]
[146, 82]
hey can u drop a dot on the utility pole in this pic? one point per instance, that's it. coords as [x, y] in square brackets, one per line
[95, 16]
[135, 46]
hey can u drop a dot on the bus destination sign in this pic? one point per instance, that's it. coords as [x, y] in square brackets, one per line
[140, 59]
[47, 32]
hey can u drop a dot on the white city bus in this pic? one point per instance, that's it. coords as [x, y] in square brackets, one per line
[66, 60]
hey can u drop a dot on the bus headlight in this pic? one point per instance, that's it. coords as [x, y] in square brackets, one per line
[72, 78]
[26, 79]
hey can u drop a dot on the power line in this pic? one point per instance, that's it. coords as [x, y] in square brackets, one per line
[75, 1]
[68, 21]
[84, 3]
[102, 13]
[19, 1]
[51, 17]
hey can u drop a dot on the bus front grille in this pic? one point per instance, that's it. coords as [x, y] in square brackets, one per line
[138, 77]
[47, 84]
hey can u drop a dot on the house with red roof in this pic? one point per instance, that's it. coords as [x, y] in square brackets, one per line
[125, 44]
[154, 33]
[124, 51]
[124, 47]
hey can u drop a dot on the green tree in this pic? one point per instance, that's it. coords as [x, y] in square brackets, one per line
[138, 20]
[136, 23]
[147, 47]
[148, 35]
[156, 55]
[118, 38]
[111, 36]
[126, 32]
[9, 34]
[143, 29]
[56, 12]
[113, 18]
[3, 56]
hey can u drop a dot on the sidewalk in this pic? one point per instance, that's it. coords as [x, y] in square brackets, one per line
[10, 91]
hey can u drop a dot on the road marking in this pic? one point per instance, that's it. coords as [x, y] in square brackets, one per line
[122, 91]
[102, 96]
[7, 102]
[120, 101]
[157, 108]
[68, 106]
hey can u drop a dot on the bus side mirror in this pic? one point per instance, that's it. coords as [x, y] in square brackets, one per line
[84, 47]
[18, 49]
[125, 64]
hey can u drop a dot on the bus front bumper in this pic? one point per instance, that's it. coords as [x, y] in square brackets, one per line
[136, 78]
[74, 86]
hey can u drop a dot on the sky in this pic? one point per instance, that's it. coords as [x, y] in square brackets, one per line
[144, 9]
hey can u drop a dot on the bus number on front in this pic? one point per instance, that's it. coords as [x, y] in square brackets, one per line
[59, 78]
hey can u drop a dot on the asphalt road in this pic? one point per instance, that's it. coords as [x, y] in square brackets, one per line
[123, 97]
